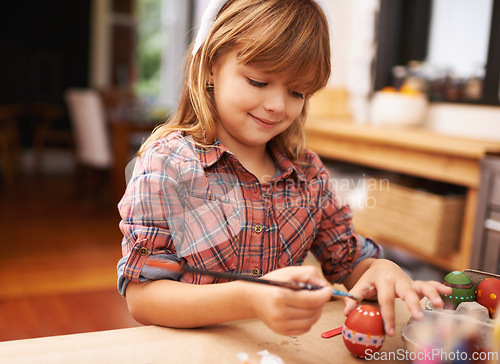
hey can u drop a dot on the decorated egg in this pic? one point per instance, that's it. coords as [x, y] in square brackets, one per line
[363, 331]
[463, 290]
[488, 294]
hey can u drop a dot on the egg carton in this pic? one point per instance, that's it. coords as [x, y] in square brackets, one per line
[443, 328]
[476, 276]
[471, 309]
[467, 317]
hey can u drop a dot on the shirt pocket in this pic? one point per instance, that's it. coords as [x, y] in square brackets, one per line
[211, 234]
[297, 228]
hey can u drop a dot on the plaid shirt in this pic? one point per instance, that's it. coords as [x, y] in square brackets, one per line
[202, 205]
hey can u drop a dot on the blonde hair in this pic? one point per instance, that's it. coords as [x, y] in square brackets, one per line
[286, 37]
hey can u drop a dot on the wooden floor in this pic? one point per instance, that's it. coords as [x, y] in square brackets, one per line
[58, 256]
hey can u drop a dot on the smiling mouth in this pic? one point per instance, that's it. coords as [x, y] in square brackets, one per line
[266, 122]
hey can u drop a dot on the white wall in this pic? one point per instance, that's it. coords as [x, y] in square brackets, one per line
[341, 13]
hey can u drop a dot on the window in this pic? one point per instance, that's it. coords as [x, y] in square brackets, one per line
[163, 36]
[403, 34]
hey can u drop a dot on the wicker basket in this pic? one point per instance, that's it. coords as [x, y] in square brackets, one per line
[422, 221]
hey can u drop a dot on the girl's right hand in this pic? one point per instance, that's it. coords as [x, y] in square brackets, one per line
[285, 311]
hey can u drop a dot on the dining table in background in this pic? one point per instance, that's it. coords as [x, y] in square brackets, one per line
[29, 125]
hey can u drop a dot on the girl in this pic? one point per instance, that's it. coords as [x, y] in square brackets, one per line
[227, 185]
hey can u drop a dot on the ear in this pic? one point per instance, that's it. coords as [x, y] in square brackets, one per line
[211, 75]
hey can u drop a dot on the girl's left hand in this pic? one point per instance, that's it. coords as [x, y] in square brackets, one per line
[386, 281]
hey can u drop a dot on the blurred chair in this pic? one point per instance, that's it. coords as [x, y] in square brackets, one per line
[92, 141]
[10, 142]
[5, 158]
[49, 122]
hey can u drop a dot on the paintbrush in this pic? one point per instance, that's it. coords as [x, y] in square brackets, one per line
[182, 268]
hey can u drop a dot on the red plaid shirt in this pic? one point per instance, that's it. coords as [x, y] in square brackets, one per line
[202, 205]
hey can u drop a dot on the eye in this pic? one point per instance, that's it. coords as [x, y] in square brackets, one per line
[256, 83]
[297, 95]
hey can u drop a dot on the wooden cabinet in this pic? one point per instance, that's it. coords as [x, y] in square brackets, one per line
[415, 152]
[486, 249]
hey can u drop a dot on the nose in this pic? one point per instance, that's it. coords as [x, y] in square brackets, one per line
[276, 100]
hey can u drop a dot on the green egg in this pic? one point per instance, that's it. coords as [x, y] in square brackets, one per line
[463, 290]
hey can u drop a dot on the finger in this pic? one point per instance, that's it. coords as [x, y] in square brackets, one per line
[360, 290]
[409, 293]
[440, 287]
[307, 300]
[317, 281]
[386, 298]
[300, 326]
[307, 274]
[292, 314]
[431, 291]
[350, 305]
[363, 290]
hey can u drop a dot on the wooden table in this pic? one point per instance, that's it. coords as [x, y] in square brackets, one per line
[217, 344]
[413, 151]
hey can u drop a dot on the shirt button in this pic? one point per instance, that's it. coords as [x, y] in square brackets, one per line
[352, 252]
[266, 194]
[258, 228]
[143, 251]
[255, 272]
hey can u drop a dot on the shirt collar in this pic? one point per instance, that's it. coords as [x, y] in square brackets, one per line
[208, 156]
[284, 163]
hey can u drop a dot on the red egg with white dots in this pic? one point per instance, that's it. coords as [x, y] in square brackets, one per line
[488, 294]
[363, 331]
